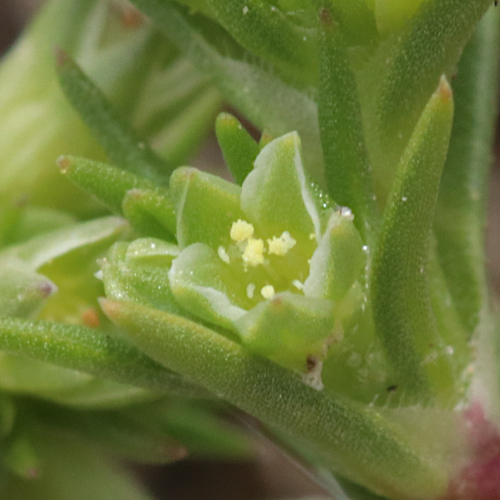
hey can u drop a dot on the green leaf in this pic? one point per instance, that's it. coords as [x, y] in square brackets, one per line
[347, 165]
[64, 386]
[352, 439]
[44, 248]
[206, 207]
[150, 212]
[87, 350]
[461, 211]
[121, 143]
[265, 30]
[23, 292]
[238, 147]
[398, 81]
[107, 183]
[401, 297]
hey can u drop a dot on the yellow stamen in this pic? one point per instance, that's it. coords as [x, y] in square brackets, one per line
[241, 230]
[254, 252]
[281, 245]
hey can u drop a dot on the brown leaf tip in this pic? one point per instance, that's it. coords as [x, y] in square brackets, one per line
[444, 89]
[63, 162]
[325, 17]
[62, 56]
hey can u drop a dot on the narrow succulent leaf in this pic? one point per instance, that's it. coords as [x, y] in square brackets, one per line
[263, 97]
[87, 350]
[413, 61]
[44, 248]
[461, 203]
[121, 143]
[64, 386]
[354, 441]
[112, 432]
[206, 207]
[23, 292]
[238, 146]
[337, 262]
[205, 286]
[151, 213]
[289, 328]
[347, 165]
[19, 456]
[37, 377]
[401, 297]
[264, 29]
[107, 183]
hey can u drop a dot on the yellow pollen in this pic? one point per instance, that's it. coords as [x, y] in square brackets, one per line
[267, 292]
[281, 246]
[254, 252]
[241, 230]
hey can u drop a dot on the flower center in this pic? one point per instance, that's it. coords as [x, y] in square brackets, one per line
[261, 260]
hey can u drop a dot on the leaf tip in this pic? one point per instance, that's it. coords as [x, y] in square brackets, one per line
[62, 57]
[111, 308]
[325, 17]
[444, 90]
[224, 119]
[64, 163]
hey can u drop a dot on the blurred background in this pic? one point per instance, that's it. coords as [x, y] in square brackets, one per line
[270, 475]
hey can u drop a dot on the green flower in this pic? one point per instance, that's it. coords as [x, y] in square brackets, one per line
[273, 261]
